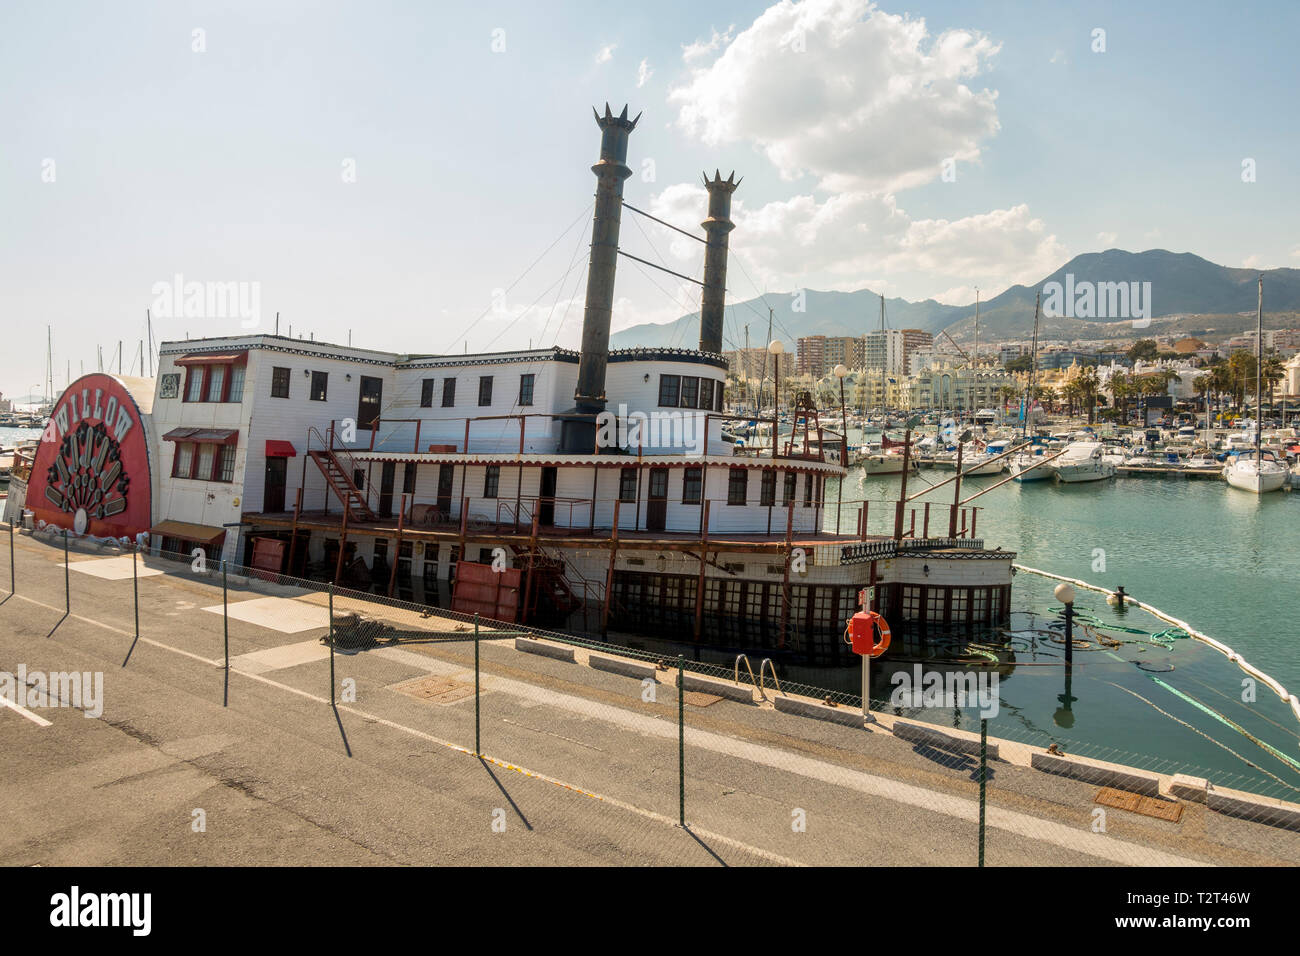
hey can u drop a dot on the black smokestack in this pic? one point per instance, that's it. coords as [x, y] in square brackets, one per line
[578, 431]
[717, 227]
[610, 172]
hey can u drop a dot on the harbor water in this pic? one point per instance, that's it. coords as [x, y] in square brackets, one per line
[1224, 561]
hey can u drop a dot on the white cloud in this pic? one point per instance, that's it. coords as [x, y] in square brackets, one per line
[1107, 239]
[1059, 57]
[702, 48]
[873, 102]
[643, 73]
[606, 53]
[957, 295]
[837, 242]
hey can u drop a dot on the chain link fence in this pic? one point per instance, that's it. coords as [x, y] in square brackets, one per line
[749, 767]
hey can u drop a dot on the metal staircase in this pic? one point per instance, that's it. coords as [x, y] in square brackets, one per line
[338, 480]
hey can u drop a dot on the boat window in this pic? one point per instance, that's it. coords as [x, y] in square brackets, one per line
[738, 486]
[690, 391]
[669, 386]
[627, 484]
[692, 481]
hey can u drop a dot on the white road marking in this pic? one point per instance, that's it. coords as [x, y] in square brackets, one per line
[39, 721]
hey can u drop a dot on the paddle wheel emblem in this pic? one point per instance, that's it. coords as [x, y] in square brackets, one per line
[86, 479]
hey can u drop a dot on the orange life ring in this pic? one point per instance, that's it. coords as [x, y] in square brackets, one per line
[862, 632]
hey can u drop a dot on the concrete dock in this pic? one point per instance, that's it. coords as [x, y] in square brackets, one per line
[579, 765]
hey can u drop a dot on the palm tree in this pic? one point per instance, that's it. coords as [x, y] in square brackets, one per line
[1089, 385]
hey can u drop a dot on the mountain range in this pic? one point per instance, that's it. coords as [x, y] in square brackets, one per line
[1182, 285]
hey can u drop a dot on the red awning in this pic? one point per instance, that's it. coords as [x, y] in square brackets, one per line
[213, 436]
[280, 449]
[208, 358]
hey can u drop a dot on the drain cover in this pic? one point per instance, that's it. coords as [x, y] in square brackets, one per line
[1137, 803]
[439, 690]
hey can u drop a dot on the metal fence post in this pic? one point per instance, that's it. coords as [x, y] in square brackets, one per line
[478, 745]
[135, 593]
[67, 580]
[681, 740]
[13, 588]
[984, 776]
[225, 624]
[330, 588]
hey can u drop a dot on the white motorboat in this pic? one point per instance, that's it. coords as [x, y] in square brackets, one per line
[885, 463]
[1257, 472]
[1022, 466]
[1082, 461]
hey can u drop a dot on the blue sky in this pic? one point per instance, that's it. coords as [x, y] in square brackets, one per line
[226, 164]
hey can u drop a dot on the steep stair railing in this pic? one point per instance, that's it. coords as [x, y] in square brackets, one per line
[337, 478]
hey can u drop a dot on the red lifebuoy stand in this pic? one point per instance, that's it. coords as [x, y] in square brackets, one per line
[869, 634]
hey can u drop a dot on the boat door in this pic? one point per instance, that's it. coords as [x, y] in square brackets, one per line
[446, 475]
[656, 511]
[273, 489]
[369, 398]
[386, 478]
[546, 503]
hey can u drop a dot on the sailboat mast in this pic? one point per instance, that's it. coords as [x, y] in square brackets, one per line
[1029, 387]
[1259, 366]
[975, 355]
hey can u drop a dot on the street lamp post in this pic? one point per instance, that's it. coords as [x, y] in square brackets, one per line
[1065, 594]
[775, 348]
[840, 372]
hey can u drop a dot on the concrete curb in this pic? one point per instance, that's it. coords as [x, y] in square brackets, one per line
[744, 693]
[1098, 772]
[1189, 788]
[948, 738]
[622, 665]
[807, 707]
[1252, 807]
[544, 648]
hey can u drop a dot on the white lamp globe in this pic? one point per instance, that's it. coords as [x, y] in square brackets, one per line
[840, 371]
[1064, 593]
[775, 347]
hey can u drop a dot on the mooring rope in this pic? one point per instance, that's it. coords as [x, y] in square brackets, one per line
[1178, 720]
[1273, 685]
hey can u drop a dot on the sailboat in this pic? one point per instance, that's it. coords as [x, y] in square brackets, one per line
[1257, 471]
[1022, 466]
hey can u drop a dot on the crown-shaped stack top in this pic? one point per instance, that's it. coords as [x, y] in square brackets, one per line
[609, 119]
[717, 182]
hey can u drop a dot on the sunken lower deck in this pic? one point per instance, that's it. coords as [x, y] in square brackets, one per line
[783, 596]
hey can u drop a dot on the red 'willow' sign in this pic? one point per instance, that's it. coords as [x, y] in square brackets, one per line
[91, 472]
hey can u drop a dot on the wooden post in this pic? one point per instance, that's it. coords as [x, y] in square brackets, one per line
[699, 587]
[902, 491]
[866, 513]
[532, 562]
[609, 575]
[397, 548]
[343, 541]
[974, 513]
[925, 528]
[519, 480]
[956, 498]
[293, 535]
[785, 581]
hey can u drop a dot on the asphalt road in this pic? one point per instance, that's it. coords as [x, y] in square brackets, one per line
[578, 768]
